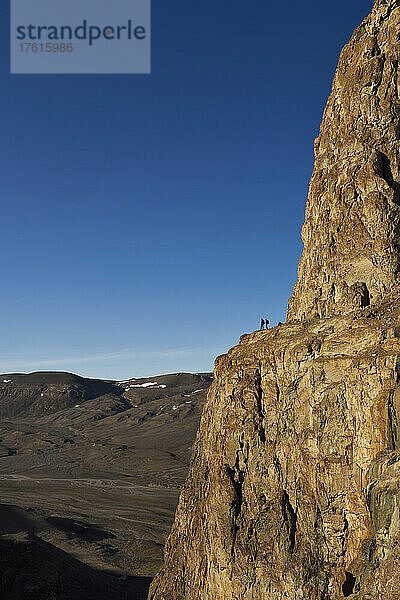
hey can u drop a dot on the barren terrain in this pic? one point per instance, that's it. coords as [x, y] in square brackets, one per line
[90, 475]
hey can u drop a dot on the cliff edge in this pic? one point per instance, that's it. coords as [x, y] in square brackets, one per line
[294, 487]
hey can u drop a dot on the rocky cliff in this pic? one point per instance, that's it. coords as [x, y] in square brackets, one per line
[294, 486]
[351, 231]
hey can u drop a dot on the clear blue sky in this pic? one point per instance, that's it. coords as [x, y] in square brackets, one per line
[148, 221]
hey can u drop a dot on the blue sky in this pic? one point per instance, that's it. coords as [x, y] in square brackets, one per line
[148, 221]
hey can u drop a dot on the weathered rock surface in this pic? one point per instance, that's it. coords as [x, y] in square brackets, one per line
[294, 486]
[351, 232]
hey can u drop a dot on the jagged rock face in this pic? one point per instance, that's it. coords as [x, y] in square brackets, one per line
[289, 465]
[294, 486]
[352, 228]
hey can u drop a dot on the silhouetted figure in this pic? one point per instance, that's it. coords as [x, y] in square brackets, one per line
[266, 323]
[262, 324]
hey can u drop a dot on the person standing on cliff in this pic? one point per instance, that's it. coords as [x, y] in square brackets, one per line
[266, 323]
[262, 324]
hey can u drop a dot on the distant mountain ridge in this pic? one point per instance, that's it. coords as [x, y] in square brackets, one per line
[42, 393]
[90, 473]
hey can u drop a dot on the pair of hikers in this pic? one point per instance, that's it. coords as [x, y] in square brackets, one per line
[264, 324]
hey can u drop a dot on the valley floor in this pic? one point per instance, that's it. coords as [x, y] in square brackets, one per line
[90, 491]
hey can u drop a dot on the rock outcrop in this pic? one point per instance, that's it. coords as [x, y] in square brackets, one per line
[294, 486]
[351, 233]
